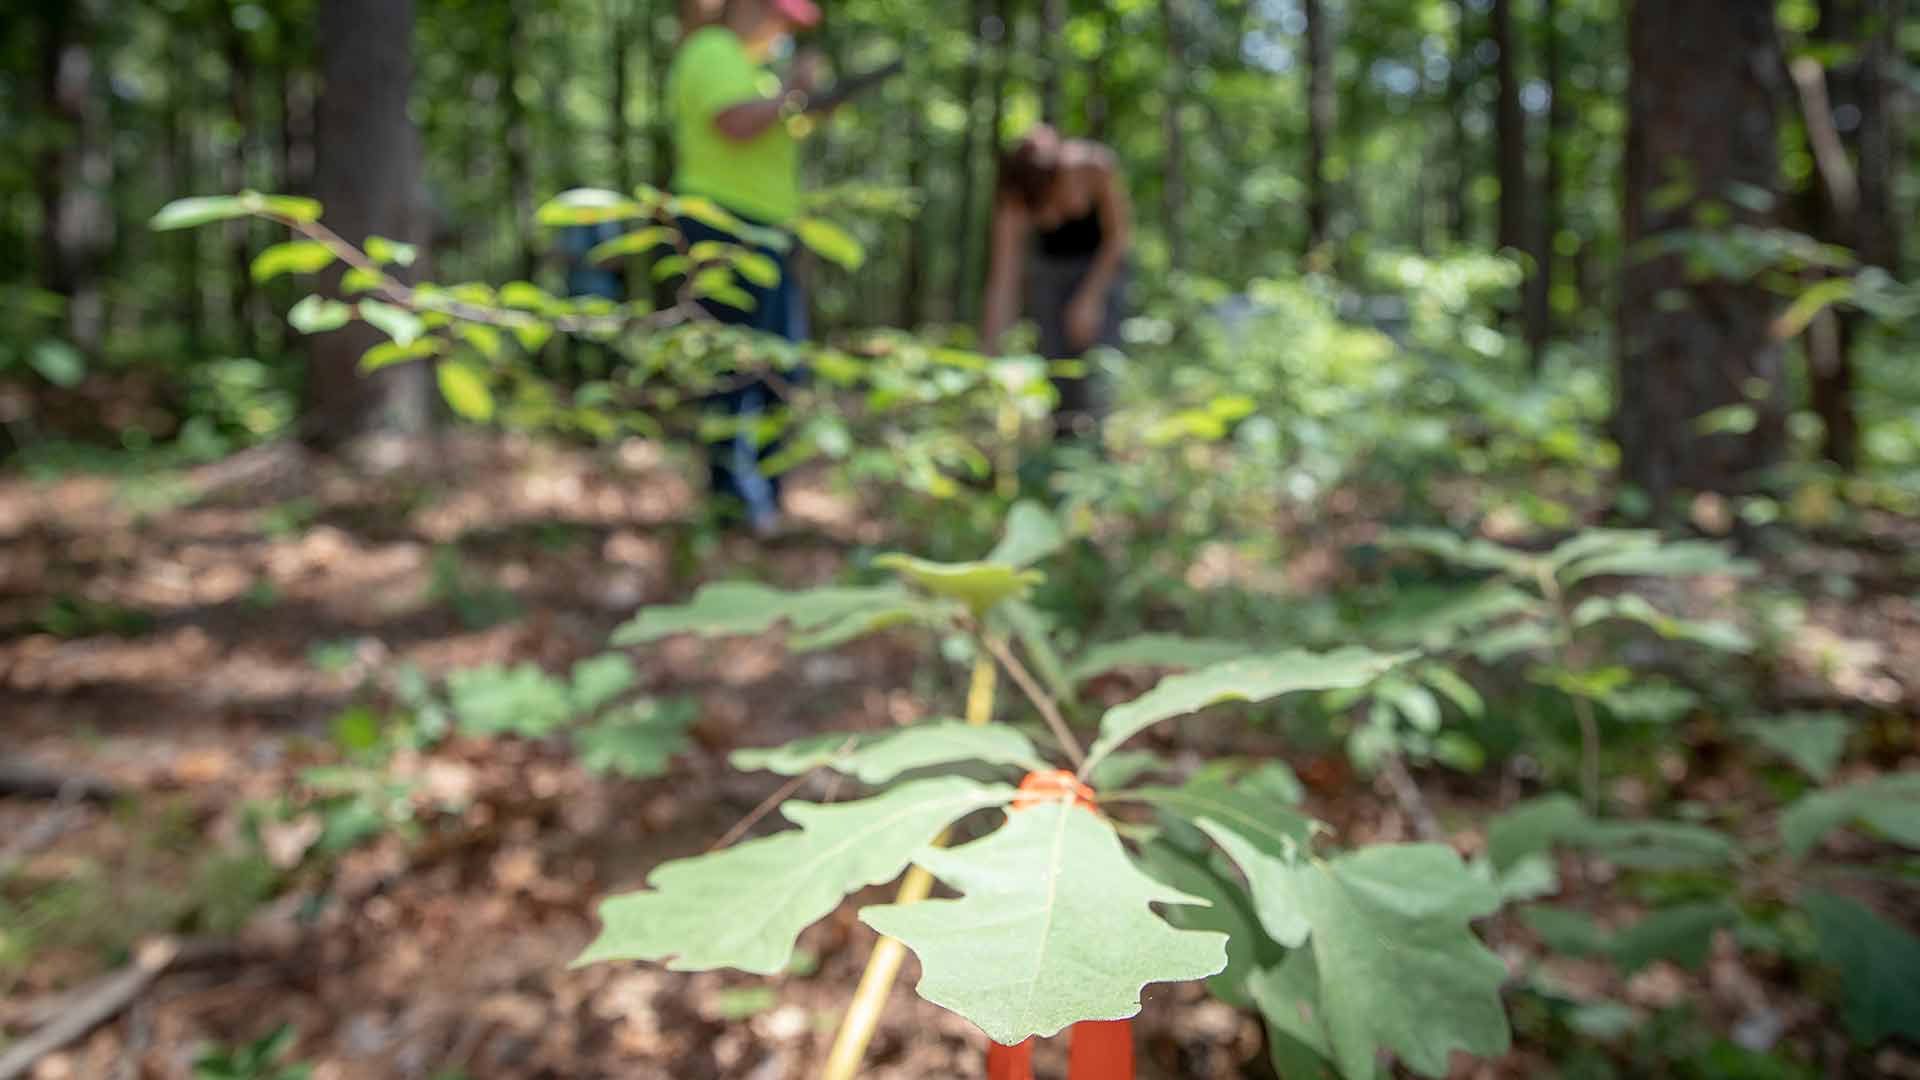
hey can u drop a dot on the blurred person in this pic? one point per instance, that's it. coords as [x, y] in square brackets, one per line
[737, 130]
[1062, 216]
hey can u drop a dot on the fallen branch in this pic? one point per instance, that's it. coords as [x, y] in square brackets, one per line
[1406, 792]
[110, 995]
[39, 836]
[28, 782]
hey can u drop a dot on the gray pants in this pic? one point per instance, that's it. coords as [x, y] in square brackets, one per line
[1051, 286]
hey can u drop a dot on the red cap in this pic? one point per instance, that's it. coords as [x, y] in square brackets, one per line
[802, 13]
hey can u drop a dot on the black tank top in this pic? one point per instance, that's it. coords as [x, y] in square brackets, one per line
[1076, 239]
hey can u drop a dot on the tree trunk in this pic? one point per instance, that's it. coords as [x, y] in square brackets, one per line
[1540, 286]
[75, 169]
[368, 177]
[1853, 202]
[1459, 83]
[1510, 123]
[1174, 198]
[964, 217]
[517, 142]
[183, 174]
[1700, 102]
[239, 234]
[913, 299]
[619, 40]
[1321, 117]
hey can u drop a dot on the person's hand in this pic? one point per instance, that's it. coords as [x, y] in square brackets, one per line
[805, 76]
[1086, 314]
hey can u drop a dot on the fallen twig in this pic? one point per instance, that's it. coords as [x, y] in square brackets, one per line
[110, 995]
[26, 781]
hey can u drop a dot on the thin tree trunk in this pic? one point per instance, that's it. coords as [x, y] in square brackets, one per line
[913, 299]
[965, 218]
[76, 223]
[1459, 82]
[1321, 118]
[184, 176]
[1540, 286]
[1701, 98]
[368, 176]
[1510, 123]
[517, 142]
[1175, 197]
[241, 304]
[619, 40]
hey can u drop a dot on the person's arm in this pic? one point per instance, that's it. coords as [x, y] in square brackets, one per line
[747, 120]
[1003, 274]
[1087, 312]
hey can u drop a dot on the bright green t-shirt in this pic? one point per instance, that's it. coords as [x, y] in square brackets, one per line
[759, 177]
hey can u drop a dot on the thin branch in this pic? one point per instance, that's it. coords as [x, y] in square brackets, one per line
[1040, 698]
[781, 794]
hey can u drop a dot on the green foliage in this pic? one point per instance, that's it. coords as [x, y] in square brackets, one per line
[1879, 965]
[1889, 806]
[1398, 967]
[1250, 680]
[1055, 927]
[634, 739]
[745, 906]
[879, 759]
[1812, 742]
[263, 1059]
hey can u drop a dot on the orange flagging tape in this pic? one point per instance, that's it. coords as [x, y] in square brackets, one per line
[1101, 1049]
[1010, 1062]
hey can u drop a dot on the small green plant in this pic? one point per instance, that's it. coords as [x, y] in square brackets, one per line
[1772, 893]
[1544, 607]
[1346, 954]
[263, 1059]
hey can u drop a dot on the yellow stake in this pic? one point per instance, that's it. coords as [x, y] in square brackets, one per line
[870, 998]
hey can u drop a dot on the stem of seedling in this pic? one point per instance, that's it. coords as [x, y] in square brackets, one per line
[1582, 708]
[883, 966]
[1042, 701]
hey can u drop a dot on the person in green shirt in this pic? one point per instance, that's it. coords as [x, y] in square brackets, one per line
[737, 129]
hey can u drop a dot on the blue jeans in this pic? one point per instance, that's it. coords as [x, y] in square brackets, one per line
[734, 465]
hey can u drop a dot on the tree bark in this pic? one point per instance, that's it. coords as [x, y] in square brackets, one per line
[75, 169]
[965, 218]
[1700, 104]
[1321, 118]
[241, 310]
[518, 142]
[368, 178]
[1459, 83]
[913, 299]
[1853, 201]
[1510, 124]
[619, 141]
[1540, 285]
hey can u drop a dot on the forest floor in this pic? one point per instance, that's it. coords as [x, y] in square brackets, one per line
[191, 639]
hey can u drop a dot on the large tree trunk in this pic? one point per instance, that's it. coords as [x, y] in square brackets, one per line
[1321, 106]
[367, 176]
[1700, 103]
[1510, 132]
